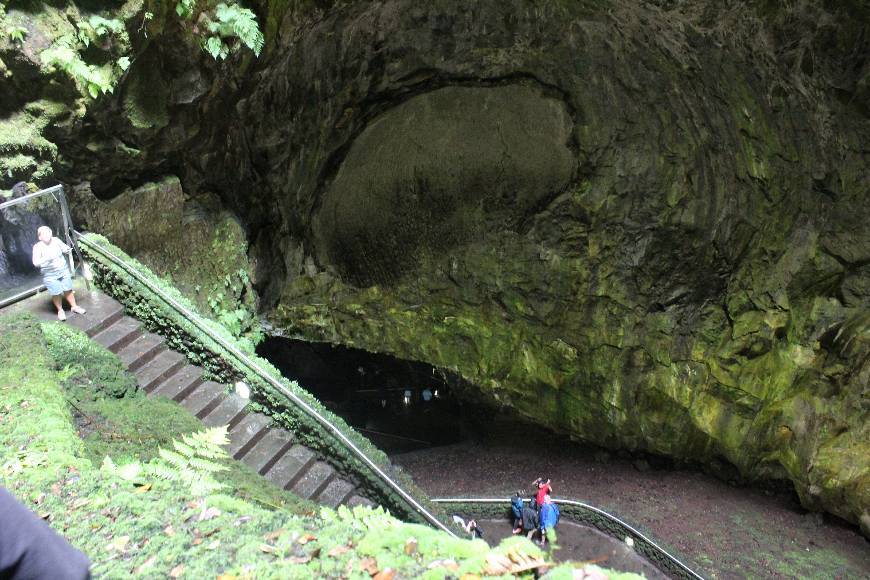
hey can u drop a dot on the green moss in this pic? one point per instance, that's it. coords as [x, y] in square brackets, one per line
[560, 335]
[36, 431]
[22, 133]
[201, 250]
[86, 364]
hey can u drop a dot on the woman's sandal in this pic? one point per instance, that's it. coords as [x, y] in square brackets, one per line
[78, 309]
[61, 315]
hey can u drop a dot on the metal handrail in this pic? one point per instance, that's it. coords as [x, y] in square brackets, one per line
[570, 502]
[253, 366]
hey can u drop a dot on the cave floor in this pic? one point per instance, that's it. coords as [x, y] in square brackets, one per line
[720, 530]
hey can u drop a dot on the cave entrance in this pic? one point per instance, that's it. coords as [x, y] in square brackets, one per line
[400, 405]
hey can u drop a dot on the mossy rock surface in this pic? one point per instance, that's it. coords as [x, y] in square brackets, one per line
[682, 278]
[199, 248]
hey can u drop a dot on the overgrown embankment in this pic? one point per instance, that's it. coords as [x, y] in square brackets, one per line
[57, 387]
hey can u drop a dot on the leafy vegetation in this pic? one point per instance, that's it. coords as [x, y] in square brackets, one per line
[131, 523]
[221, 27]
[195, 461]
[67, 54]
[241, 321]
[16, 33]
[88, 368]
[98, 53]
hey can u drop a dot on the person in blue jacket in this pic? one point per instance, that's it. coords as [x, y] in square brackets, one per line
[549, 517]
[517, 511]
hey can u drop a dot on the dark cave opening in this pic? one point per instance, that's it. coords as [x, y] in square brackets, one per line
[400, 405]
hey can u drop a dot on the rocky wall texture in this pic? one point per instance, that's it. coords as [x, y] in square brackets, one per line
[643, 224]
[201, 248]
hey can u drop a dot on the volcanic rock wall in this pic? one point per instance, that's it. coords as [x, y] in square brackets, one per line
[644, 226]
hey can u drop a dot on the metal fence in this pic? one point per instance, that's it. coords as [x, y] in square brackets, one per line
[589, 515]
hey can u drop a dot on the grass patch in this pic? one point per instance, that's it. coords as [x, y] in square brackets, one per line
[118, 420]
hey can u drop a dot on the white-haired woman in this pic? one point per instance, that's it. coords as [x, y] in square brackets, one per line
[48, 256]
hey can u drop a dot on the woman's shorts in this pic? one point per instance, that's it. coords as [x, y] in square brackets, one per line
[57, 284]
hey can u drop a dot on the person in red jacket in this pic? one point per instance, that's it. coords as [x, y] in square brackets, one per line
[544, 488]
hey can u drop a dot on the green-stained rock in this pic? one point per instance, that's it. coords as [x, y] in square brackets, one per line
[201, 249]
[679, 278]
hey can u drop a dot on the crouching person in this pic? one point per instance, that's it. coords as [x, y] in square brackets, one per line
[517, 512]
[549, 518]
[530, 518]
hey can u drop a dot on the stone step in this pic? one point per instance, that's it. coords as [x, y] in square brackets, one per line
[356, 500]
[247, 433]
[141, 350]
[290, 468]
[204, 398]
[120, 334]
[179, 385]
[337, 492]
[102, 313]
[268, 450]
[314, 481]
[229, 412]
[160, 368]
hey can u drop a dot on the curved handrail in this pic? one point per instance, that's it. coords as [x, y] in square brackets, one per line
[675, 565]
[254, 367]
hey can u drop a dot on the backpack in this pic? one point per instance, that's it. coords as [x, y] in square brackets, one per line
[517, 507]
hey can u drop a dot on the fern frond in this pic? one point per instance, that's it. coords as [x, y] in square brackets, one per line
[194, 460]
[186, 448]
[242, 24]
[207, 466]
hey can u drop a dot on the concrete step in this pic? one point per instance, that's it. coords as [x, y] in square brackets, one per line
[229, 412]
[356, 500]
[179, 385]
[247, 433]
[160, 368]
[144, 348]
[102, 313]
[204, 398]
[290, 468]
[336, 493]
[120, 334]
[314, 481]
[268, 450]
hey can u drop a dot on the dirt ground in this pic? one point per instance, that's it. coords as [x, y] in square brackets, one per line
[720, 530]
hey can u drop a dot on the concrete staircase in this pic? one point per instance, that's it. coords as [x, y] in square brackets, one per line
[271, 451]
